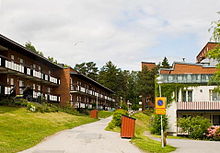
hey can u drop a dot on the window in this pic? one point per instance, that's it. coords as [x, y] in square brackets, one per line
[48, 90]
[187, 96]
[214, 96]
[34, 66]
[216, 120]
[21, 61]
[12, 57]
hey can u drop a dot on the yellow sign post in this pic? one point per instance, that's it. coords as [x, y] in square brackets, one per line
[160, 108]
[160, 105]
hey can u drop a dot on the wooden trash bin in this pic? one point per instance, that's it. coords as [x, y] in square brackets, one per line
[127, 127]
[94, 113]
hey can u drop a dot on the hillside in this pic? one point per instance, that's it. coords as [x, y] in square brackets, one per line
[21, 129]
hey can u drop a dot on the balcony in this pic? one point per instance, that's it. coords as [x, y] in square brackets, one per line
[185, 78]
[204, 105]
[8, 66]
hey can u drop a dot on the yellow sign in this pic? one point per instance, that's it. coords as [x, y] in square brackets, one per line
[160, 102]
[160, 111]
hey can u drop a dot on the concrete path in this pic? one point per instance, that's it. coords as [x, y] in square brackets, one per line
[89, 138]
[192, 146]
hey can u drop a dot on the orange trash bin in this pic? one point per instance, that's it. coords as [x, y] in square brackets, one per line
[94, 113]
[127, 127]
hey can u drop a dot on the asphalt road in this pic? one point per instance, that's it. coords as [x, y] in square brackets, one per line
[89, 138]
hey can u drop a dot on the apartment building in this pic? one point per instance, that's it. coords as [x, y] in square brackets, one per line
[22, 71]
[83, 92]
[27, 74]
[198, 96]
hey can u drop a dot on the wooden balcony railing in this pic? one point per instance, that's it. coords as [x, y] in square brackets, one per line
[202, 105]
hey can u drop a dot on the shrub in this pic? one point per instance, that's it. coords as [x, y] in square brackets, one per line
[116, 120]
[196, 127]
[155, 124]
[213, 133]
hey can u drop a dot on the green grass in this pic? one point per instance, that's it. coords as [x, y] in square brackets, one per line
[173, 137]
[21, 129]
[104, 114]
[142, 141]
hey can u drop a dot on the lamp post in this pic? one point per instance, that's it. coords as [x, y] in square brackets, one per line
[159, 81]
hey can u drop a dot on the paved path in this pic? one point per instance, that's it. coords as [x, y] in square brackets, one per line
[192, 146]
[89, 138]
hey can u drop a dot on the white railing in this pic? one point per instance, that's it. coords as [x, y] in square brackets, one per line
[0, 61]
[53, 98]
[82, 89]
[46, 77]
[53, 80]
[7, 90]
[28, 71]
[36, 94]
[14, 66]
[36, 74]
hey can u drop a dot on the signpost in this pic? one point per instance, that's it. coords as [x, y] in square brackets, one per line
[160, 108]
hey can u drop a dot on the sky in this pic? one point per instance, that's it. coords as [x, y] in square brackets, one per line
[126, 32]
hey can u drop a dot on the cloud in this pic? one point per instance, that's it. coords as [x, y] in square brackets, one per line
[125, 32]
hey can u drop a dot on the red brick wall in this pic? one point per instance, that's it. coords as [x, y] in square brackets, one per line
[64, 89]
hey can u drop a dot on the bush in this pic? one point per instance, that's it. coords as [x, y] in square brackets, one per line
[155, 124]
[213, 133]
[196, 127]
[116, 121]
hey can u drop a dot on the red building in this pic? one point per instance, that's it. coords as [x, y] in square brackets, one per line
[25, 73]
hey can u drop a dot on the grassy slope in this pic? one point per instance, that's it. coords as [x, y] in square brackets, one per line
[105, 114]
[143, 142]
[21, 129]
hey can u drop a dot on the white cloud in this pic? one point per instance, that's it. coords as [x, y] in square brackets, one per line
[119, 30]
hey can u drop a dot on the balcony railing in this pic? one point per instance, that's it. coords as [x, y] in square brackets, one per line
[204, 105]
[4, 62]
[185, 78]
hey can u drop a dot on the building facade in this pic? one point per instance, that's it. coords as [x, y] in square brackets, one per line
[27, 74]
[197, 97]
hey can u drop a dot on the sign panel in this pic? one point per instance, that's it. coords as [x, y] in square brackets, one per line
[160, 111]
[160, 102]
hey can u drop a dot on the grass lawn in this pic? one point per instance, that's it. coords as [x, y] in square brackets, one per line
[104, 114]
[21, 129]
[142, 141]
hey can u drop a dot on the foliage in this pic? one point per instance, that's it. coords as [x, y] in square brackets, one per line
[155, 124]
[89, 69]
[30, 46]
[146, 84]
[114, 78]
[196, 127]
[116, 120]
[104, 114]
[215, 53]
[213, 133]
[142, 141]
[165, 63]
[215, 29]
[20, 129]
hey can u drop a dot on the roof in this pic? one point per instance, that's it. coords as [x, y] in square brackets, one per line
[14, 45]
[188, 68]
[205, 49]
[149, 65]
[91, 80]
